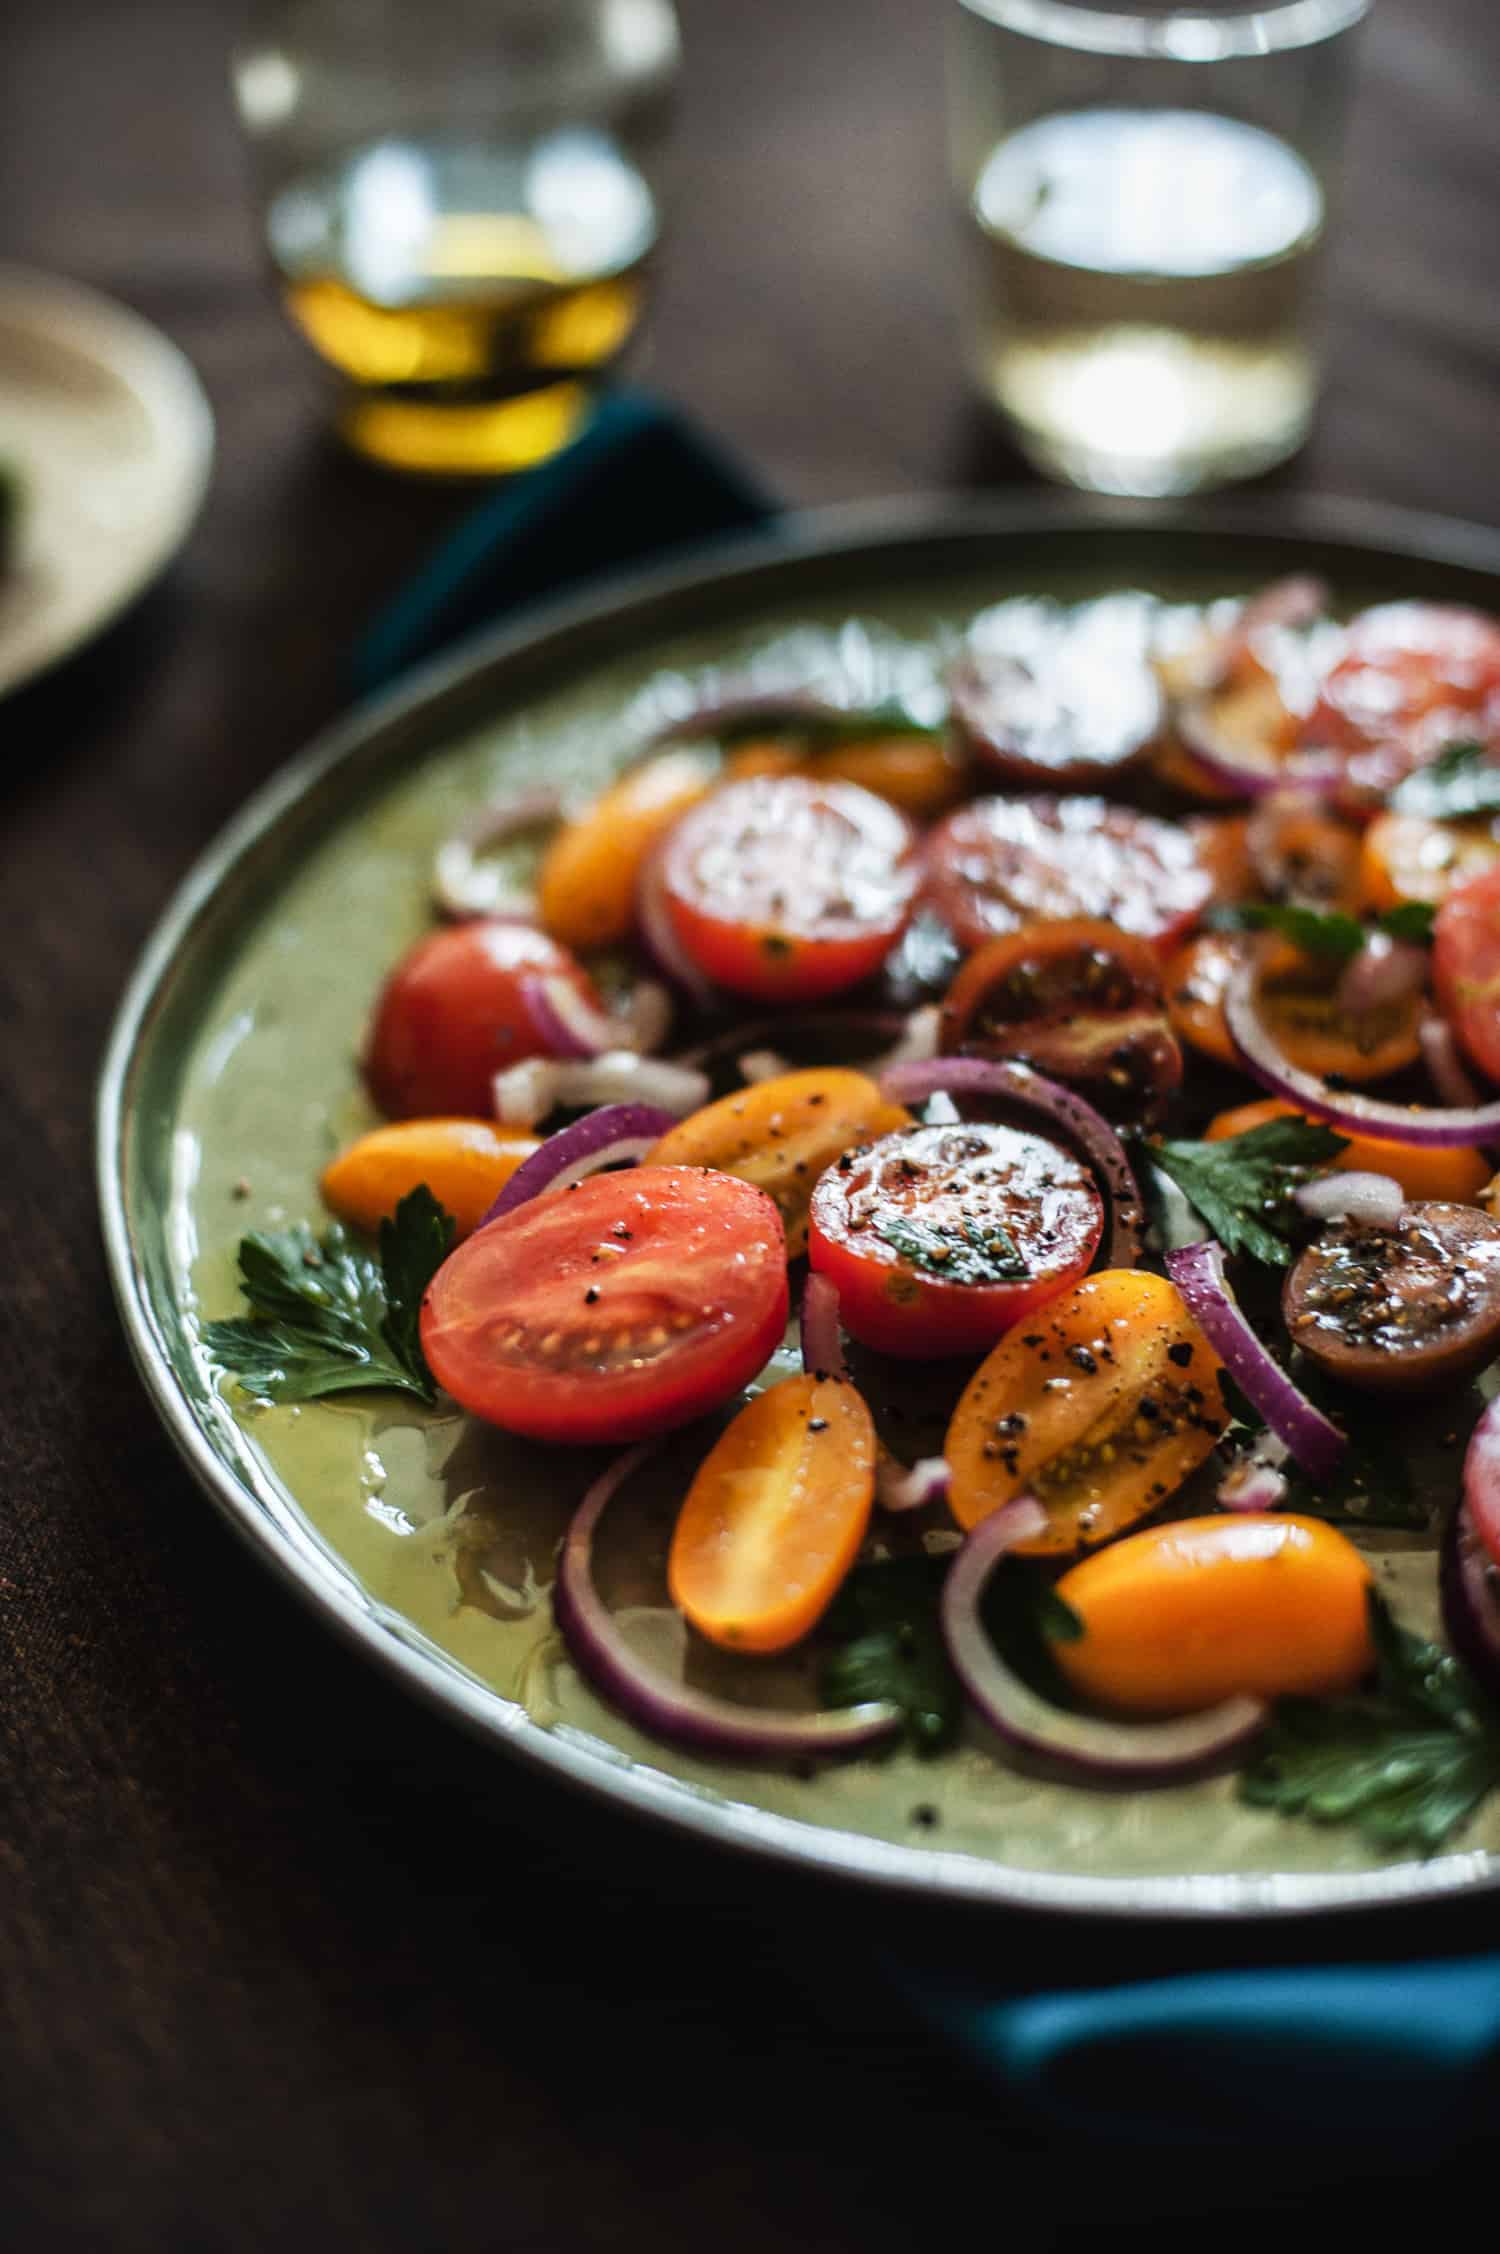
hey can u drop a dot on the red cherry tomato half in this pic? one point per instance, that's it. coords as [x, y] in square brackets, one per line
[789, 889]
[1466, 967]
[453, 1013]
[1414, 677]
[940, 1238]
[624, 1306]
[999, 864]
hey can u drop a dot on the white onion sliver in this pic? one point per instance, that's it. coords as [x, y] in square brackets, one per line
[525, 1093]
[1372, 1200]
[918, 1043]
[899, 1488]
[761, 1064]
[1252, 1485]
[461, 885]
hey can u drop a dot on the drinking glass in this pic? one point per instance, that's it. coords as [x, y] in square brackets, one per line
[461, 200]
[1146, 194]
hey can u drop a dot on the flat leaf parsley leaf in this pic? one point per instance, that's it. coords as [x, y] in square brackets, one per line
[1461, 781]
[1408, 1762]
[1409, 919]
[984, 1255]
[1243, 1185]
[888, 1645]
[1327, 932]
[326, 1317]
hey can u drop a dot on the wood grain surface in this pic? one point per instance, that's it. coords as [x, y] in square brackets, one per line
[282, 1957]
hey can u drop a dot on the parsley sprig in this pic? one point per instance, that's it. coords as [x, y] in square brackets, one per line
[1407, 1762]
[977, 1254]
[326, 1317]
[1327, 932]
[1462, 781]
[1243, 1185]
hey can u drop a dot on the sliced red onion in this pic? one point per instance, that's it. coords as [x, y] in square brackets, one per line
[818, 1319]
[902, 1487]
[1198, 1272]
[1091, 1749]
[1373, 1201]
[669, 1709]
[461, 883]
[1059, 1110]
[1234, 771]
[1352, 1113]
[1445, 1066]
[757, 1065]
[571, 1026]
[1469, 1582]
[525, 1093]
[614, 1135]
[1383, 974]
[1482, 1479]
[661, 941]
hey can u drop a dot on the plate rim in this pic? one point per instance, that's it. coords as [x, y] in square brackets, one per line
[867, 533]
[158, 371]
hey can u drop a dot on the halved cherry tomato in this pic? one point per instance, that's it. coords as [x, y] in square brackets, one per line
[1299, 852]
[464, 1162]
[1455, 1175]
[1415, 677]
[1222, 842]
[1182, 1616]
[781, 1134]
[1077, 999]
[587, 884]
[775, 1517]
[788, 889]
[1466, 967]
[1407, 857]
[1401, 1309]
[1000, 864]
[623, 1306]
[1100, 1407]
[1300, 1001]
[1197, 979]
[939, 1238]
[453, 1013]
[1058, 695]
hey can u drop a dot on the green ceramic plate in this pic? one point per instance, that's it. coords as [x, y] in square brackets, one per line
[429, 1541]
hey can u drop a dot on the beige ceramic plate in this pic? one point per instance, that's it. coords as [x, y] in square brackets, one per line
[109, 436]
[430, 1540]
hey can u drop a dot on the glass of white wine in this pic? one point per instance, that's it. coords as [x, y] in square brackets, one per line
[1146, 194]
[461, 200]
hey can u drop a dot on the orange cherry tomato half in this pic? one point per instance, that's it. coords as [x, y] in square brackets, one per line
[1001, 864]
[787, 889]
[939, 1238]
[1414, 678]
[464, 1162]
[453, 1013]
[1300, 852]
[1197, 979]
[1407, 857]
[1100, 1406]
[1455, 1177]
[587, 884]
[621, 1307]
[775, 1517]
[1466, 967]
[1181, 1616]
[781, 1134]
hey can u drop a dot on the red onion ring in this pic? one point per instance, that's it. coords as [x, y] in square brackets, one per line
[902, 1487]
[1061, 1110]
[818, 1320]
[1198, 1272]
[671, 1710]
[1233, 773]
[660, 940]
[524, 1093]
[1445, 1066]
[606, 1137]
[1467, 1578]
[1089, 1748]
[459, 885]
[1481, 1487]
[570, 1025]
[1353, 1114]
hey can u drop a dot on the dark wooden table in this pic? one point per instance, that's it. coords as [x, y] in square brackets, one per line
[280, 1953]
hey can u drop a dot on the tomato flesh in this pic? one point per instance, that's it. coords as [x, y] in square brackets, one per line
[1001, 864]
[788, 889]
[1414, 678]
[1466, 967]
[939, 1238]
[454, 1012]
[621, 1307]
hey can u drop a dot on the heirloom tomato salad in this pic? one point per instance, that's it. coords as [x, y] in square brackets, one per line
[1033, 1142]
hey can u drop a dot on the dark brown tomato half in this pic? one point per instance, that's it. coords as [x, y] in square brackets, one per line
[1403, 1308]
[1000, 864]
[1052, 693]
[1080, 1002]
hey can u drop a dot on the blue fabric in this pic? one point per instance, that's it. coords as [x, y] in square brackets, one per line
[1314, 2053]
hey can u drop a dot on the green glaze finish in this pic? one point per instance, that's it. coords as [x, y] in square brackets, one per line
[232, 1079]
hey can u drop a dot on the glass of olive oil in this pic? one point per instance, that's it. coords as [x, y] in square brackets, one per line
[1145, 192]
[461, 200]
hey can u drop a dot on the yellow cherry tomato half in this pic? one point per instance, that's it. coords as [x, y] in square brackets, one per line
[1257, 1603]
[464, 1162]
[1100, 1405]
[775, 1517]
[1456, 1177]
[586, 887]
[781, 1134]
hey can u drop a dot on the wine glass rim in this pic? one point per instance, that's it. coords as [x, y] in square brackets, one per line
[1169, 33]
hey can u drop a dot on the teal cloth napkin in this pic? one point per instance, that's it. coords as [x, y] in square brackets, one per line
[1217, 2055]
